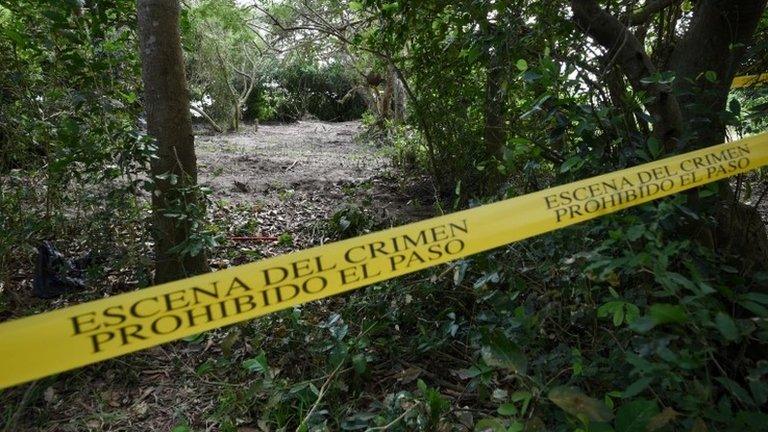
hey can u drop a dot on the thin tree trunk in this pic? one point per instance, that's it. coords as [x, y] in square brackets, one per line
[494, 130]
[387, 97]
[169, 122]
[398, 98]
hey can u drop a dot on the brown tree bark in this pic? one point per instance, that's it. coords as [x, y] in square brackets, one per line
[495, 110]
[631, 56]
[494, 131]
[169, 122]
[716, 41]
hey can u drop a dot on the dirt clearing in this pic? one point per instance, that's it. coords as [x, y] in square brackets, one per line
[295, 175]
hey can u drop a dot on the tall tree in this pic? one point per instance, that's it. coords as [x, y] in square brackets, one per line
[704, 58]
[169, 122]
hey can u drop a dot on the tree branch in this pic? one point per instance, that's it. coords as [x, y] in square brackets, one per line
[635, 63]
[207, 118]
[644, 14]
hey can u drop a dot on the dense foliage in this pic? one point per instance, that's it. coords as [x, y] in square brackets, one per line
[295, 90]
[643, 321]
[69, 120]
[239, 70]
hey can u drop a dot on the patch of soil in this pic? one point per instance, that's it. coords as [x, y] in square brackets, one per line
[308, 170]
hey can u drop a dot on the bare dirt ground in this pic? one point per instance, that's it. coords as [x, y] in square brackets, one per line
[273, 190]
[296, 175]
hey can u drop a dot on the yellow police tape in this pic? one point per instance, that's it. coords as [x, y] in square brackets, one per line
[65, 339]
[749, 81]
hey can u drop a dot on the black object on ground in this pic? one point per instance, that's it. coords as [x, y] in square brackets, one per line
[55, 275]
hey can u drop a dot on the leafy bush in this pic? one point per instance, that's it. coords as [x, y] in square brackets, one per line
[71, 146]
[294, 90]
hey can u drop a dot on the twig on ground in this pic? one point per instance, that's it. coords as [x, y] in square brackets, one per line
[292, 166]
[254, 239]
[320, 396]
[395, 421]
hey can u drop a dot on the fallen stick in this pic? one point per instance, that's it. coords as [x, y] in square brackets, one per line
[256, 239]
[291, 167]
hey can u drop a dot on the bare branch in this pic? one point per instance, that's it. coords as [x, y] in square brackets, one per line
[644, 14]
[207, 118]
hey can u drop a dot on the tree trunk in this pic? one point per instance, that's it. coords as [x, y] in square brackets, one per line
[716, 42]
[630, 55]
[170, 124]
[494, 129]
[690, 116]
[398, 98]
[386, 99]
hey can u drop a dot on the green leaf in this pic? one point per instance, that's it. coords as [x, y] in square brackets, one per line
[635, 416]
[507, 410]
[501, 352]
[360, 363]
[735, 389]
[355, 6]
[258, 364]
[636, 388]
[490, 425]
[756, 297]
[15, 36]
[654, 146]
[524, 397]
[573, 401]
[663, 313]
[727, 327]
[571, 164]
[391, 7]
[522, 65]
[643, 324]
[661, 420]
[735, 107]
[195, 339]
[759, 391]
